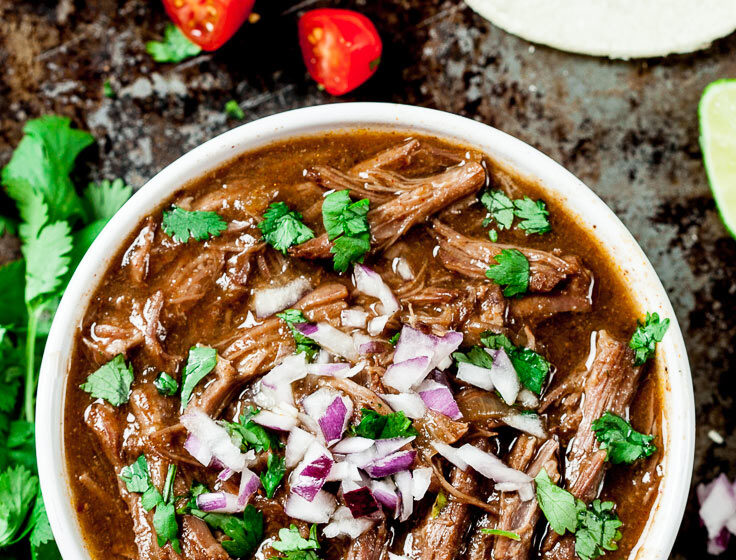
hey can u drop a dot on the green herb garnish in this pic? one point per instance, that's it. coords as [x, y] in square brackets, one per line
[174, 48]
[439, 503]
[501, 533]
[233, 110]
[283, 227]
[102, 200]
[531, 367]
[249, 435]
[394, 339]
[623, 443]
[558, 505]
[180, 224]
[500, 209]
[533, 214]
[347, 227]
[201, 361]
[274, 474]
[166, 385]
[244, 534]
[111, 381]
[107, 90]
[646, 336]
[304, 344]
[295, 547]
[511, 272]
[383, 426]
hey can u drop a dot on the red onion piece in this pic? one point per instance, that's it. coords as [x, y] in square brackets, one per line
[385, 492]
[249, 485]
[318, 510]
[272, 300]
[438, 397]
[387, 446]
[361, 502]
[451, 454]
[278, 422]
[374, 347]
[504, 377]
[475, 375]
[328, 337]
[410, 404]
[198, 450]
[377, 324]
[353, 318]
[344, 472]
[405, 487]
[371, 284]
[225, 474]
[214, 437]
[491, 466]
[352, 445]
[219, 502]
[403, 375]
[344, 524]
[392, 464]
[275, 386]
[297, 444]
[717, 511]
[331, 411]
[311, 474]
[529, 423]
[422, 478]
[413, 343]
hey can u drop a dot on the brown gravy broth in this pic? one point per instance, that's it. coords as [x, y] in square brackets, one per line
[251, 181]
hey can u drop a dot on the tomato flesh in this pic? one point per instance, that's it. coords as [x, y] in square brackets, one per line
[341, 48]
[208, 23]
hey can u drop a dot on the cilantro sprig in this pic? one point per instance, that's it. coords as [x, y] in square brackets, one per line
[181, 225]
[596, 527]
[244, 534]
[304, 344]
[283, 227]
[200, 362]
[111, 381]
[274, 474]
[347, 227]
[532, 214]
[511, 272]
[623, 443]
[646, 336]
[383, 426]
[249, 435]
[174, 48]
[295, 547]
[166, 385]
[501, 533]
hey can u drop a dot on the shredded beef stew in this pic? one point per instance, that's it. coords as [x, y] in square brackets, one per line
[363, 346]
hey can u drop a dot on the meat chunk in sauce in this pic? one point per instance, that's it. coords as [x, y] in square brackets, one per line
[449, 474]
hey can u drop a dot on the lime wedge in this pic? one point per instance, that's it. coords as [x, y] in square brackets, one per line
[717, 113]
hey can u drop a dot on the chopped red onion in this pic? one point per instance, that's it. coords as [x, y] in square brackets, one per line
[717, 511]
[354, 318]
[352, 445]
[197, 450]
[405, 487]
[387, 446]
[331, 410]
[297, 444]
[529, 423]
[422, 478]
[410, 404]
[438, 397]
[272, 300]
[361, 502]
[343, 471]
[450, 453]
[527, 399]
[377, 324]
[374, 347]
[403, 375]
[318, 510]
[504, 377]
[401, 267]
[392, 464]
[278, 422]
[344, 524]
[413, 343]
[275, 386]
[225, 474]
[446, 345]
[214, 437]
[330, 338]
[249, 485]
[219, 502]
[311, 474]
[385, 492]
[491, 466]
[475, 375]
[371, 284]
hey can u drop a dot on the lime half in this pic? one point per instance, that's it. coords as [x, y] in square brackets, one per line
[717, 113]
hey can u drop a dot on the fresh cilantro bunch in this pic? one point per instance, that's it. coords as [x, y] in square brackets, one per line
[295, 547]
[383, 426]
[512, 272]
[596, 527]
[174, 48]
[645, 338]
[304, 344]
[55, 225]
[623, 443]
[283, 227]
[533, 214]
[181, 225]
[346, 223]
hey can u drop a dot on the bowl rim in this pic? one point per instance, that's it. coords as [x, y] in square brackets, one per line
[658, 536]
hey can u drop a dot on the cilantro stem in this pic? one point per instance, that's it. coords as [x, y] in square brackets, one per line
[30, 384]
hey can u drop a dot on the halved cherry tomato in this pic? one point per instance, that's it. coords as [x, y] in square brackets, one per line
[341, 48]
[208, 23]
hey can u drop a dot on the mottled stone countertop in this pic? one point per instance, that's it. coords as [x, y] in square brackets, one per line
[628, 129]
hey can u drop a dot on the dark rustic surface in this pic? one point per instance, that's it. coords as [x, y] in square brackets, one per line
[628, 129]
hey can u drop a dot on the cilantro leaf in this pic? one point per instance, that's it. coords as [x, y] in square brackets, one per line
[233, 110]
[501, 533]
[533, 215]
[42, 541]
[166, 385]
[394, 340]
[476, 356]
[646, 336]
[166, 527]
[111, 381]
[500, 209]
[598, 530]
[18, 488]
[182, 224]
[304, 344]
[624, 443]
[201, 361]
[174, 48]
[107, 90]
[21, 444]
[558, 505]
[249, 435]
[195, 491]
[383, 426]
[283, 227]
[274, 473]
[47, 260]
[12, 299]
[531, 367]
[493, 235]
[136, 475]
[347, 227]
[41, 164]
[102, 200]
[439, 504]
[512, 271]
[290, 540]
[244, 534]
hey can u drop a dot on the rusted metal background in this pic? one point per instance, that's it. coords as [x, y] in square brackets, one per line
[628, 129]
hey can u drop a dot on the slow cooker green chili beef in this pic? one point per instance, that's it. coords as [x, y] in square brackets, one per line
[479, 387]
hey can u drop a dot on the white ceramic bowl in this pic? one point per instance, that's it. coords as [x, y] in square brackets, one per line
[679, 430]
